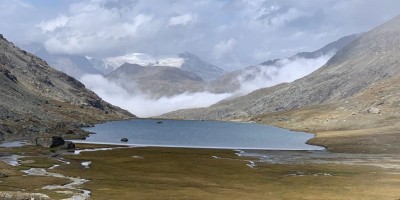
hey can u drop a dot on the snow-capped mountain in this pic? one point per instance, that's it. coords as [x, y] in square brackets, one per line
[186, 61]
[157, 81]
[107, 65]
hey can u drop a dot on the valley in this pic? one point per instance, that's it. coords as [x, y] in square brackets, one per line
[215, 124]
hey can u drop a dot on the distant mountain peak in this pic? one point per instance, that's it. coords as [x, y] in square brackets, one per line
[193, 63]
[156, 81]
[73, 65]
[188, 55]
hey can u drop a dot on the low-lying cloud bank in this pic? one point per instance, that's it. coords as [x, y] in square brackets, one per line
[142, 106]
[285, 70]
[260, 77]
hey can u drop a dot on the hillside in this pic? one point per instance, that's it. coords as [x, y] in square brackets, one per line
[265, 71]
[37, 99]
[156, 81]
[369, 59]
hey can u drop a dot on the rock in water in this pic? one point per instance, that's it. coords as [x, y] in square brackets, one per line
[124, 140]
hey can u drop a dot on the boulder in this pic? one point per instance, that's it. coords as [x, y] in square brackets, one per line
[57, 141]
[374, 110]
[3, 175]
[70, 145]
[43, 141]
[49, 141]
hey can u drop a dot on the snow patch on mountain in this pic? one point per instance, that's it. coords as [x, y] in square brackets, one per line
[141, 59]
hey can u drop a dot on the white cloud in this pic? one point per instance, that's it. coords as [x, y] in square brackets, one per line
[181, 19]
[170, 62]
[142, 106]
[285, 70]
[108, 28]
[143, 60]
[51, 25]
[224, 47]
[91, 28]
[284, 18]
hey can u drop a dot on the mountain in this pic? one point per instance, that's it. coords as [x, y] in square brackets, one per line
[36, 99]
[194, 64]
[111, 63]
[329, 48]
[73, 65]
[100, 65]
[369, 61]
[156, 81]
[186, 61]
[263, 74]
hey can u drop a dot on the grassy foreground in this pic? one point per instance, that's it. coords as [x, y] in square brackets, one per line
[176, 173]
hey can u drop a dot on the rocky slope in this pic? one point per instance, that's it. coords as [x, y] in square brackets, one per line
[156, 81]
[369, 59]
[36, 99]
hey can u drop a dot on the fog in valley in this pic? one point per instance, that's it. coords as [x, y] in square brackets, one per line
[285, 70]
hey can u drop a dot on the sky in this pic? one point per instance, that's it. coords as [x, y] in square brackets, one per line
[231, 34]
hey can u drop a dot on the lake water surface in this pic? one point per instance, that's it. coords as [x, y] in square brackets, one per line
[199, 134]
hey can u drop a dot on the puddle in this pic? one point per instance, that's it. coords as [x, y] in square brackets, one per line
[13, 144]
[321, 157]
[74, 185]
[77, 152]
[12, 160]
[86, 164]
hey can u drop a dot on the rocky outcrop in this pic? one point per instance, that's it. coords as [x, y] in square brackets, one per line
[36, 99]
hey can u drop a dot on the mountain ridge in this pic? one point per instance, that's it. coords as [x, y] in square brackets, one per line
[373, 56]
[73, 65]
[231, 81]
[37, 99]
[156, 81]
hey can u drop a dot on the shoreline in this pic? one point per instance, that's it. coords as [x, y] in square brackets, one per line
[189, 147]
